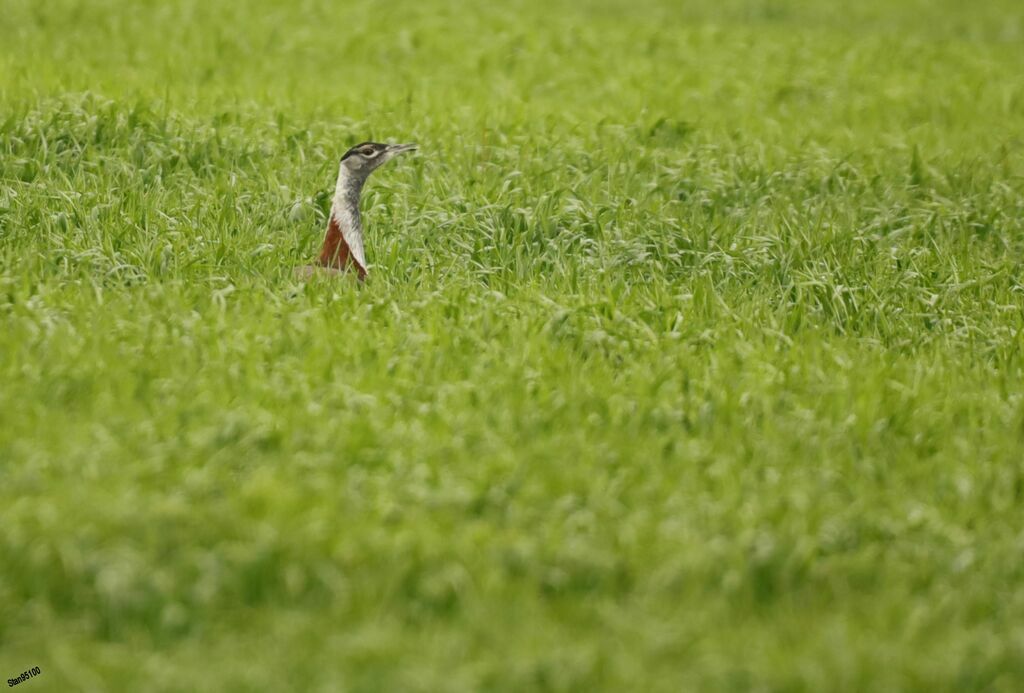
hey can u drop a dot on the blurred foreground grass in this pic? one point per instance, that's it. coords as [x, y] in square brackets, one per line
[691, 356]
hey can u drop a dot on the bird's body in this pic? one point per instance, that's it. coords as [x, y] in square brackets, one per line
[343, 247]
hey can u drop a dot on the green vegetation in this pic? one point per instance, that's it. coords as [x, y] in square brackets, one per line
[691, 358]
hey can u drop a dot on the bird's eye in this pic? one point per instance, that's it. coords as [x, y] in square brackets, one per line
[369, 152]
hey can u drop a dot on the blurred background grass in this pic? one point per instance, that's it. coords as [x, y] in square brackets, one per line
[691, 356]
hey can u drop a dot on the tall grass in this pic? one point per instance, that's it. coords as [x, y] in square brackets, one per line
[690, 358]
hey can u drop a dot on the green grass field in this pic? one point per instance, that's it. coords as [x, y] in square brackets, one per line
[691, 357]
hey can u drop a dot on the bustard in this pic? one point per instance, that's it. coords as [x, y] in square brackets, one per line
[343, 242]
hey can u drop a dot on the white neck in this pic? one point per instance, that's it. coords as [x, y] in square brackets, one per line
[346, 219]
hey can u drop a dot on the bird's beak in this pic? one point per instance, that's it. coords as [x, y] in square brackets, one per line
[394, 149]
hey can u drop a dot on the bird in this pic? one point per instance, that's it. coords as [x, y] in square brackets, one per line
[343, 248]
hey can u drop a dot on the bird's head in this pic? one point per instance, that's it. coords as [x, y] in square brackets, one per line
[363, 159]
